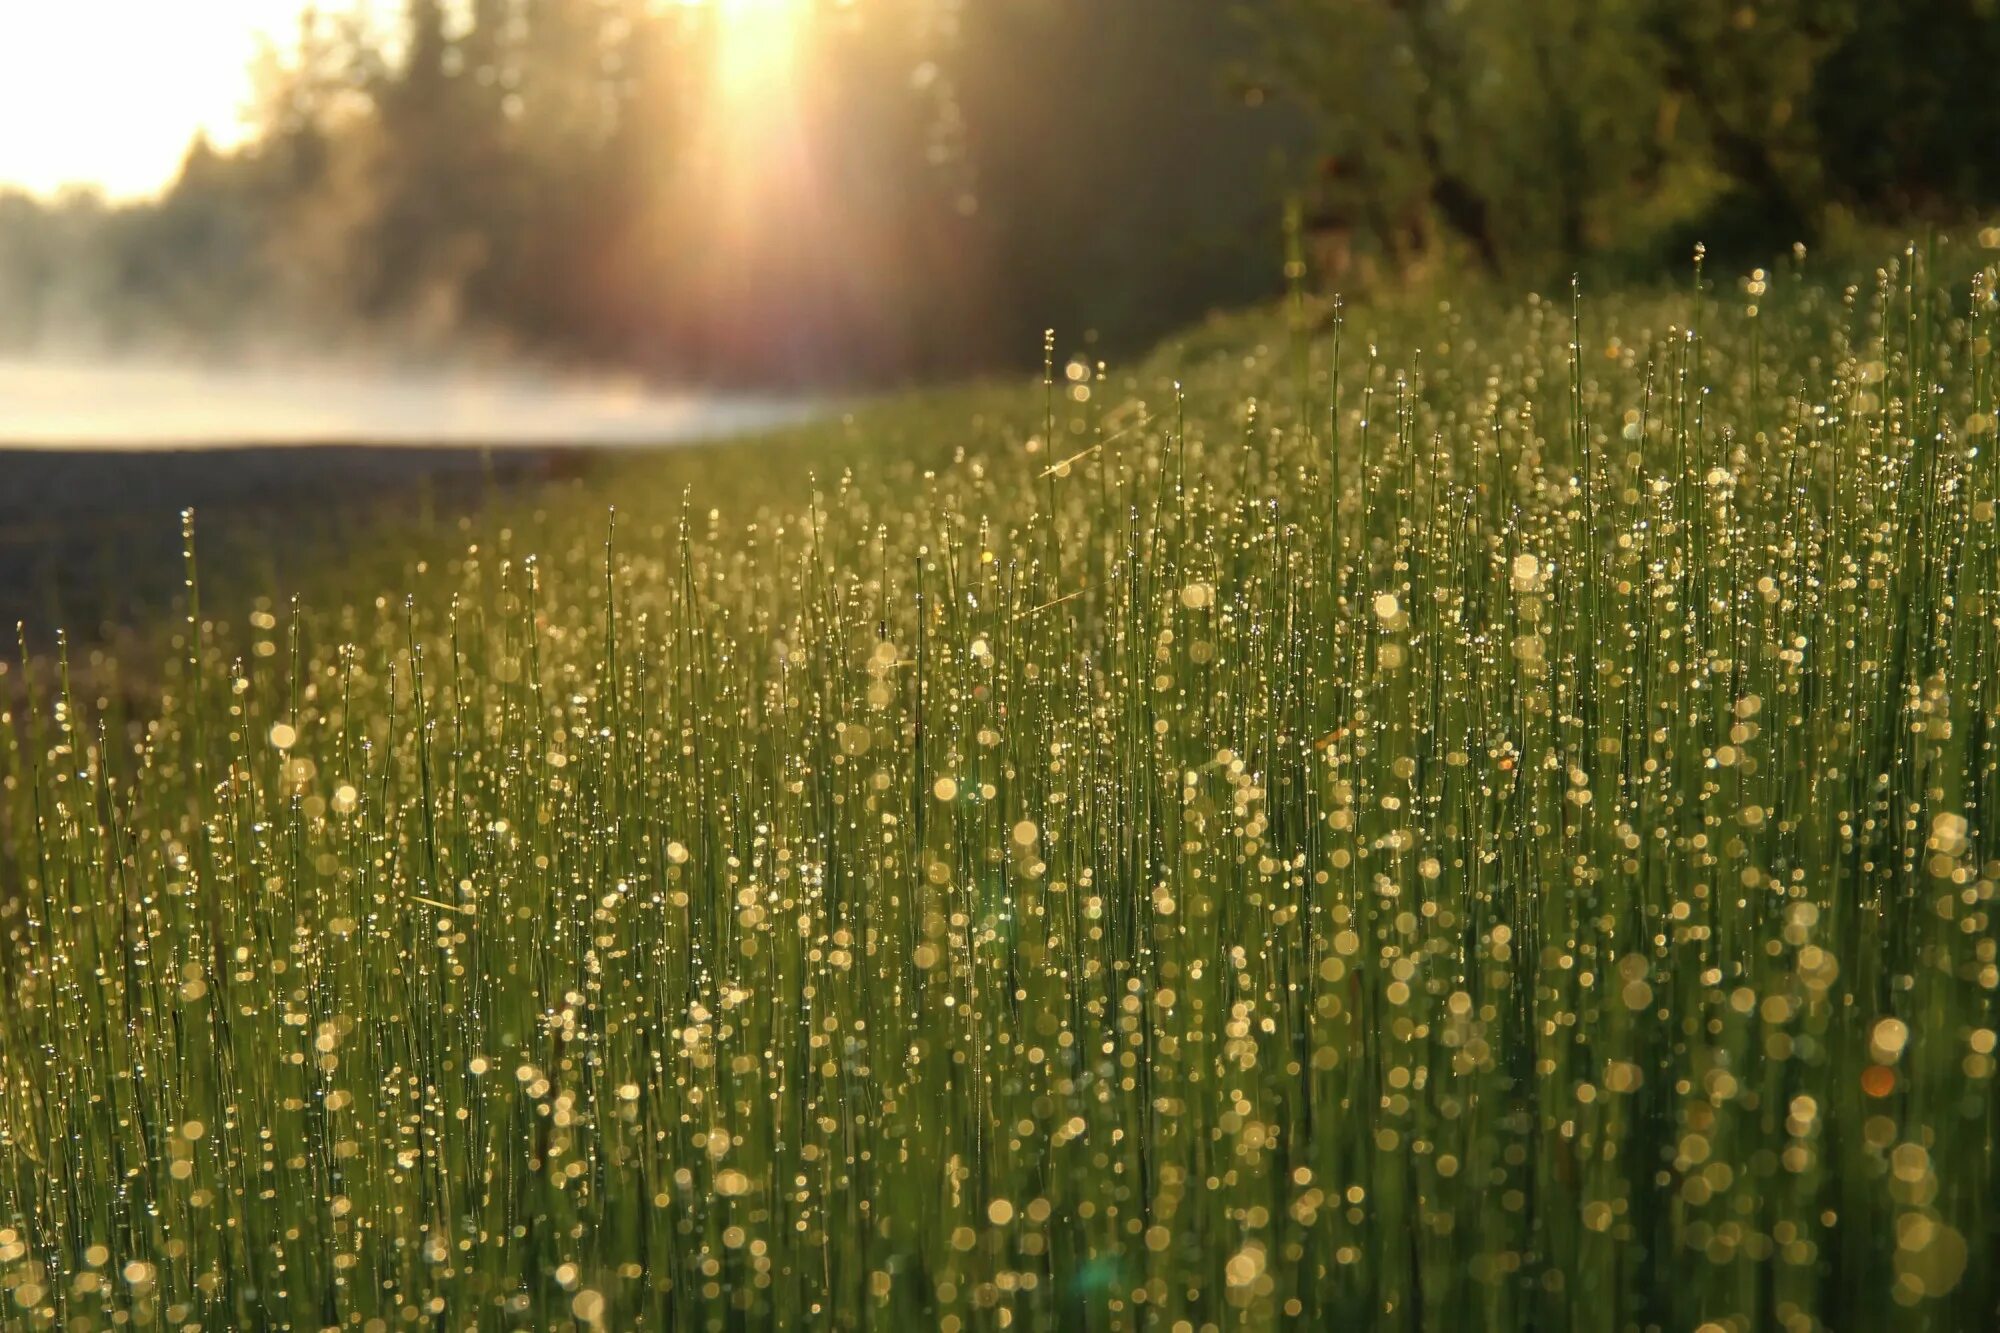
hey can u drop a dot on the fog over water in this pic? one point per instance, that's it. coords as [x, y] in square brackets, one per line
[135, 404]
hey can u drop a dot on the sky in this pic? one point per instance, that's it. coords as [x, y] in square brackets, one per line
[109, 92]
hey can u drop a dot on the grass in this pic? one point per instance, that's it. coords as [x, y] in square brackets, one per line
[1453, 817]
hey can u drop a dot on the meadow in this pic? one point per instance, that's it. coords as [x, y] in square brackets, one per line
[1472, 812]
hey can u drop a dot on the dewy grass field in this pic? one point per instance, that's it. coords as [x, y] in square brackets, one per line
[1466, 817]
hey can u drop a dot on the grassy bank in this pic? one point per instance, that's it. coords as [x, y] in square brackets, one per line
[1446, 816]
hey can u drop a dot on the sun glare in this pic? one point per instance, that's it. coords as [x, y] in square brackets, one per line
[181, 69]
[745, 7]
[755, 12]
[753, 154]
[109, 94]
[790, 12]
[756, 52]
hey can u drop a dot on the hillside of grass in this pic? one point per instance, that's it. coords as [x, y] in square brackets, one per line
[1469, 813]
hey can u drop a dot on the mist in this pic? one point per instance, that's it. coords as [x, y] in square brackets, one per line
[141, 403]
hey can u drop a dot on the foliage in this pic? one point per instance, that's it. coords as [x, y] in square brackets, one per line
[665, 185]
[1501, 838]
[1537, 132]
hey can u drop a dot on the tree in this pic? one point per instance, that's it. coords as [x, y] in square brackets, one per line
[1532, 131]
[928, 186]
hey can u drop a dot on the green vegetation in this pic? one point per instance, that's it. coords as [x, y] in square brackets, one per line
[1537, 133]
[1470, 815]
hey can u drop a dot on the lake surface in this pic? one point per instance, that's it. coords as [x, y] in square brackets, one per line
[98, 460]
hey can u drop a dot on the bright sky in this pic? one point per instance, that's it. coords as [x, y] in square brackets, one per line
[109, 92]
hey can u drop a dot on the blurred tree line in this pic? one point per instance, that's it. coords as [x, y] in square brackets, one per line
[914, 188]
[858, 190]
[1516, 134]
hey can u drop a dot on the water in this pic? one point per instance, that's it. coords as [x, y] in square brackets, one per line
[98, 459]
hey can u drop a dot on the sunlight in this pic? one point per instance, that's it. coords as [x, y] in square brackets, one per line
[740, 8]
[753, 153]
[756, 43]
[757, 54]
[179, 69]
